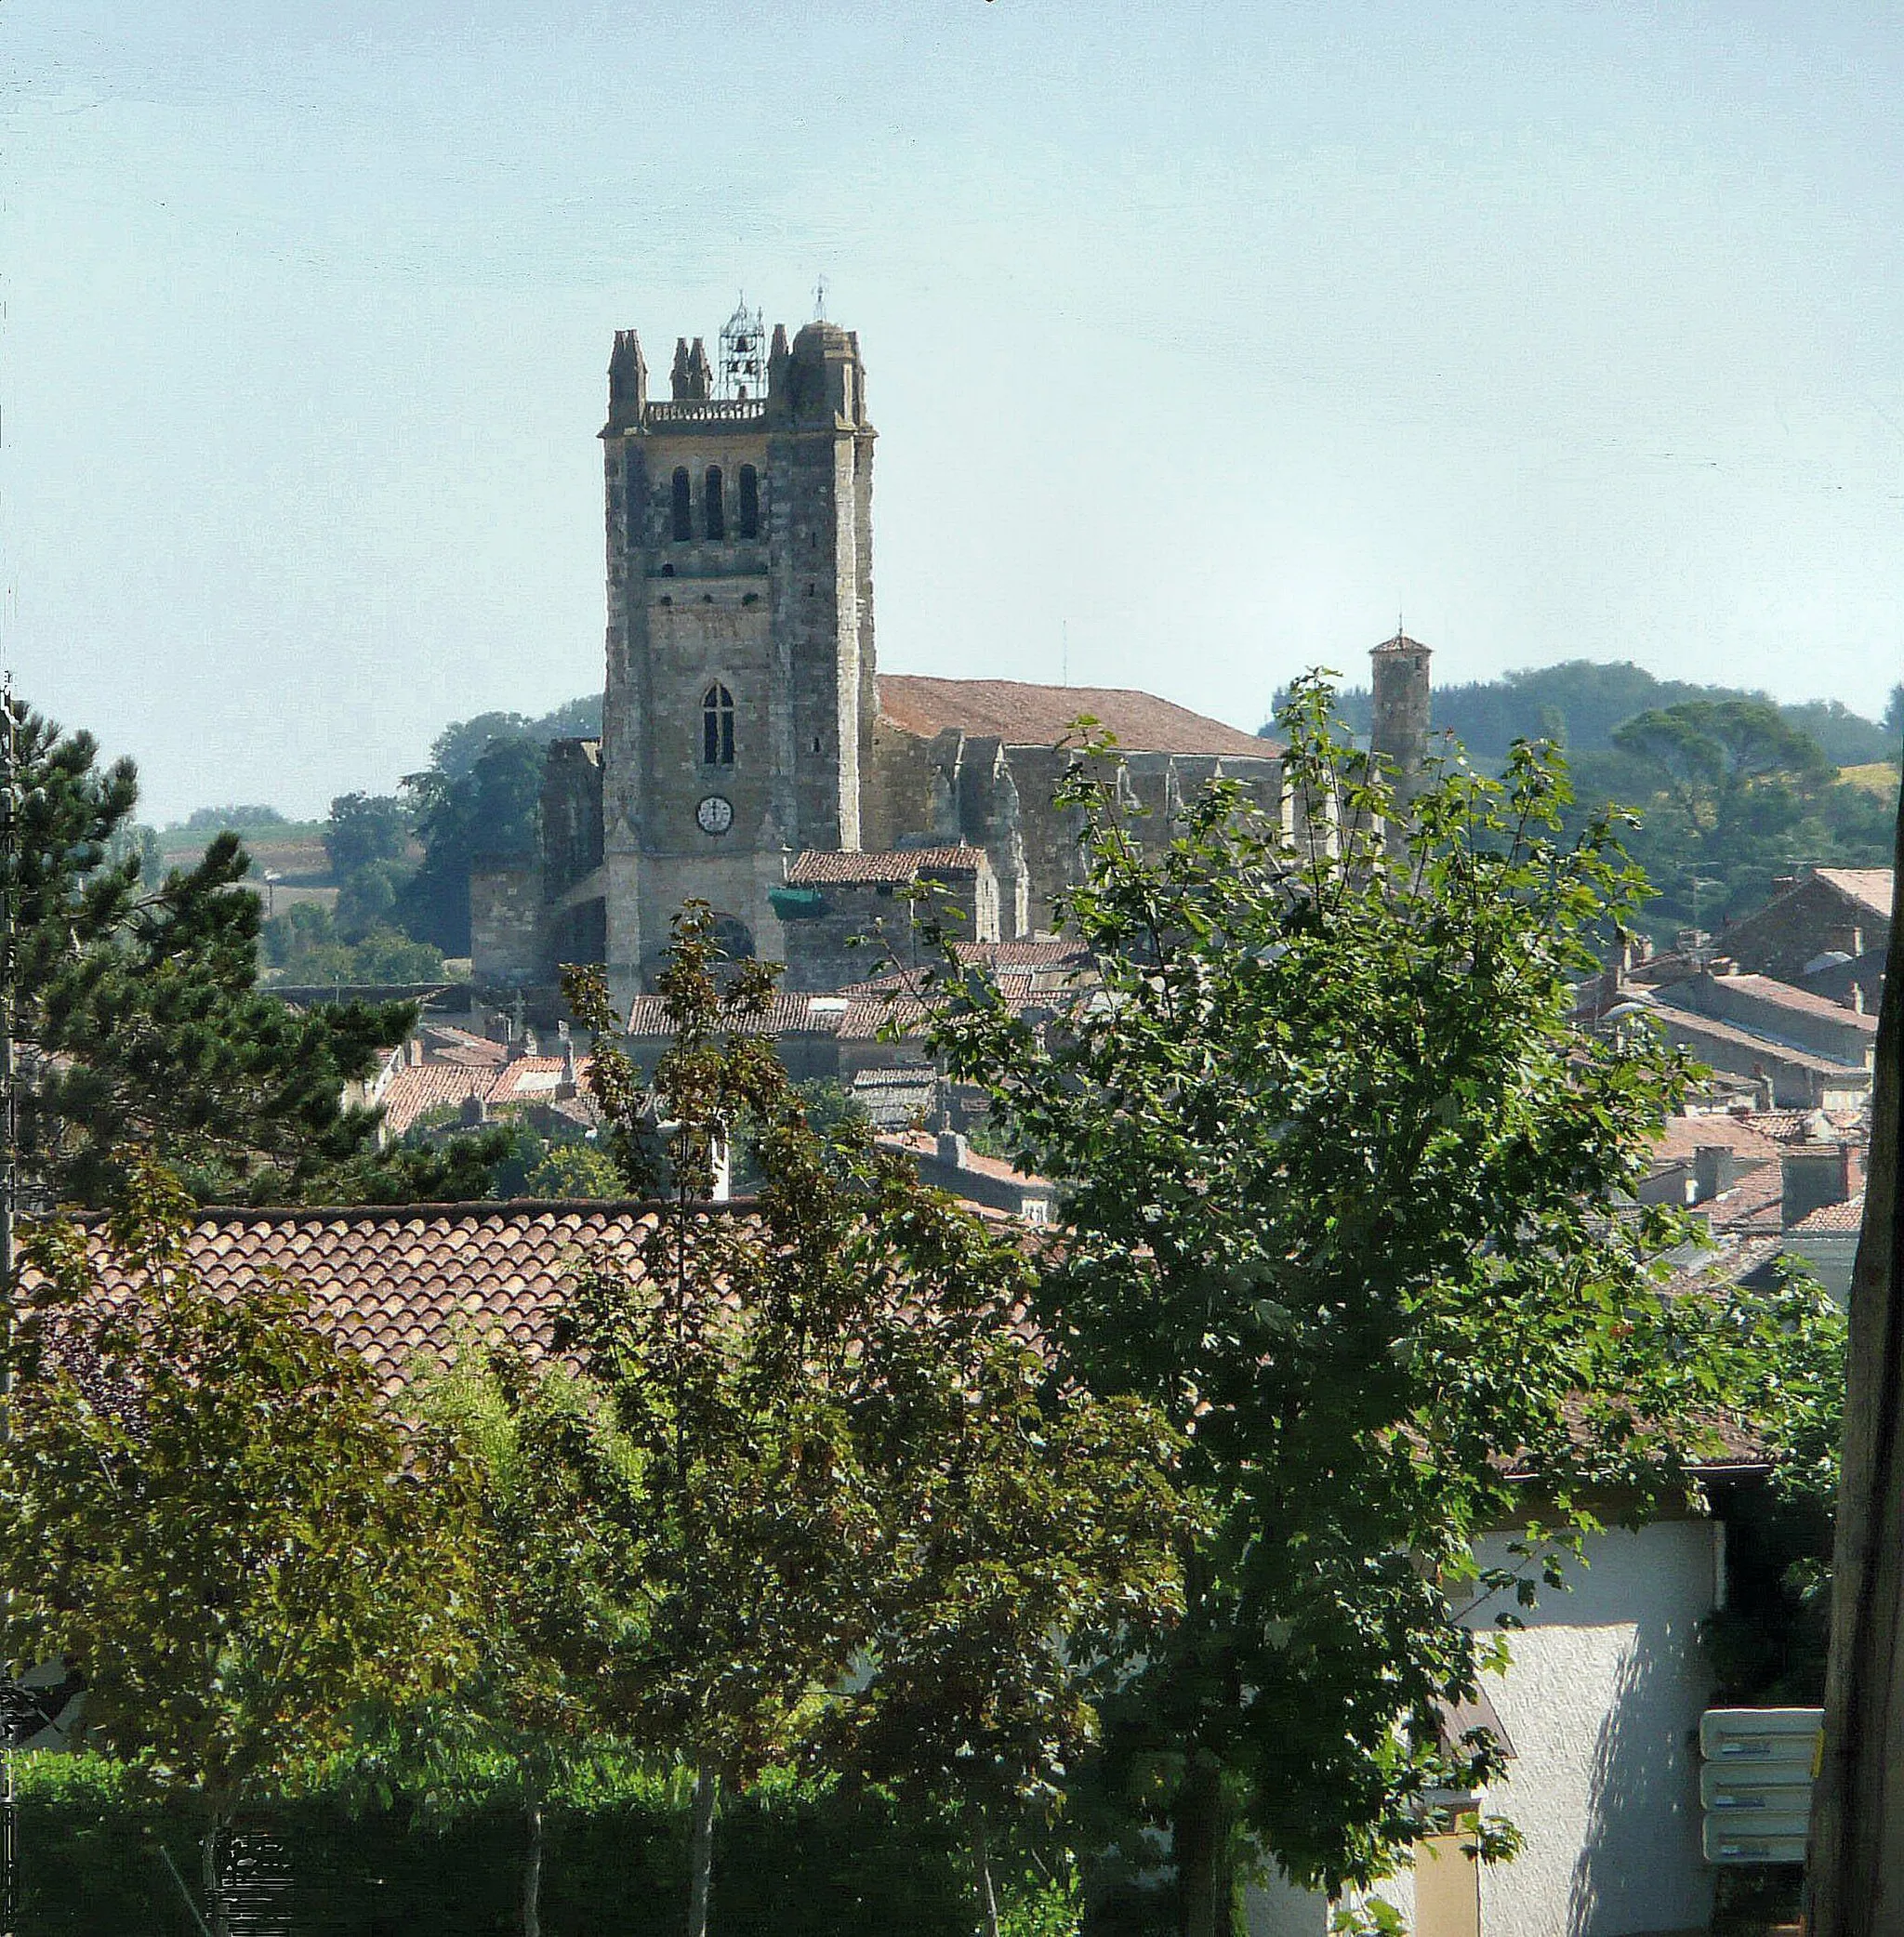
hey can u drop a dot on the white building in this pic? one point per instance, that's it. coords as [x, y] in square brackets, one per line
[1602, 1706]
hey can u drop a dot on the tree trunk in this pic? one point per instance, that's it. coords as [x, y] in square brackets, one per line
[981, 1872]
[1200, 1848]
[210, 1849]
[532, 1874]
[700, 1847]
[1855, 1874]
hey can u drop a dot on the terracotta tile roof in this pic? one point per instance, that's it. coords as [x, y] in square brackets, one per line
[1755, 1205]
[1846, 1217]
[787, 1014]
[1034, 952]
[412, 1093]
[1872, 887]
[1024, 715]
[530, 1082]
[443, 1043]
[817, 867]
[1684, 1137]
[1695, 1028]
[405, 1284]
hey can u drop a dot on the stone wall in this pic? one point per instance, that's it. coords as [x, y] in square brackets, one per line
[506, 933]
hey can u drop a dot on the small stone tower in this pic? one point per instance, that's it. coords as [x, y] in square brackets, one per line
[1398, 727]
[739, 711]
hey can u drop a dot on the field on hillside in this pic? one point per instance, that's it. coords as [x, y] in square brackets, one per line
[294, 851]
[1879, 777]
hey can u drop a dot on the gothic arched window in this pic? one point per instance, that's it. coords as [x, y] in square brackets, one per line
[750, 502]
[683, 505]
[717, 727]
[715, 514]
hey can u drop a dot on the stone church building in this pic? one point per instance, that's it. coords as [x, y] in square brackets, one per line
[749, 740]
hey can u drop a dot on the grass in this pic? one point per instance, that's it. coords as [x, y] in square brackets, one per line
[1879, 777]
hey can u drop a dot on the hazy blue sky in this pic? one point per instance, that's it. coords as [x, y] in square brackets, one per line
[1214, 333]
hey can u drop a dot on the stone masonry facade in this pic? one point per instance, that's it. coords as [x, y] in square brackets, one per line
[745, 726]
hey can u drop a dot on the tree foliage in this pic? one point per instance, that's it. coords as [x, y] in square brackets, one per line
[138, 1013]
[206, 1507]
[1344, 1200]
[831, 1441]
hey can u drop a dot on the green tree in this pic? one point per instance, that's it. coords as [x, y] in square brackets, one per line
[206, 1507]
[560, 1592]
[1894, 717]
[1344, 1200]
[834, 1443]
[136, 1012]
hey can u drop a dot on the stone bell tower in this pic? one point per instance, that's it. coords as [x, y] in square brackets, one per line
[738, 710]
[1398, 727]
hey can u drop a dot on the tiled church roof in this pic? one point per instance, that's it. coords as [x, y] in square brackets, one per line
[1025, 715]
[820, 867]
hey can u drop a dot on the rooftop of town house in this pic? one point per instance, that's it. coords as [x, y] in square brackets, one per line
[1026, 715]
[1844, 1218]
[1769, 990]
[412, 1091]
[787, 1014]
[1873, 888]
[892, 867]
[405, 1286]
[1699, 1025]
[924, 1144]
[1752, 1207]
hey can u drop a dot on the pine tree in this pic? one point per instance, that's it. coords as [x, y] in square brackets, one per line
[140, 1022]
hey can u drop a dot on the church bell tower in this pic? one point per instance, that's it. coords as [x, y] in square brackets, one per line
[739, 702]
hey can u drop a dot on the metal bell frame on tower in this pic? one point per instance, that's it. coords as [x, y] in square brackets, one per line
[742, 371]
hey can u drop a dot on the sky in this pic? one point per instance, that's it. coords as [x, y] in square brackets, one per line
[1203, 340]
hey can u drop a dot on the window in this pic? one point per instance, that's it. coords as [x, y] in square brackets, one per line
[684, 506]
[750, 502]
[716, 515]
[717, 727]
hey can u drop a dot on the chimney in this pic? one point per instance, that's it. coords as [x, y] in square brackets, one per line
[1716, 1167]
[953, 1149]
[413, 1052]
[1858, 998]
[475, 1110]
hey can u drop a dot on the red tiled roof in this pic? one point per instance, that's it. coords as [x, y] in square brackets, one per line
[406, 1284]
[1691, 1024]
[1025, 715]
[1682, 1137]
[528, 1083]
[1755, 1204]
[1034, 952]
[786, 1014]
[443, 1043]
[819, 868]
[1846, 1217]
[1872, 887]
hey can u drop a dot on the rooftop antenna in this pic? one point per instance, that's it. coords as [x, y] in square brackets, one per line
[820, 300]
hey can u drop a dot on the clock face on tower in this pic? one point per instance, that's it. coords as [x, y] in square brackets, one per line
[715, 814]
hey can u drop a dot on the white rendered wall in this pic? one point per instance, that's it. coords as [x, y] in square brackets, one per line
[1603, 1702]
